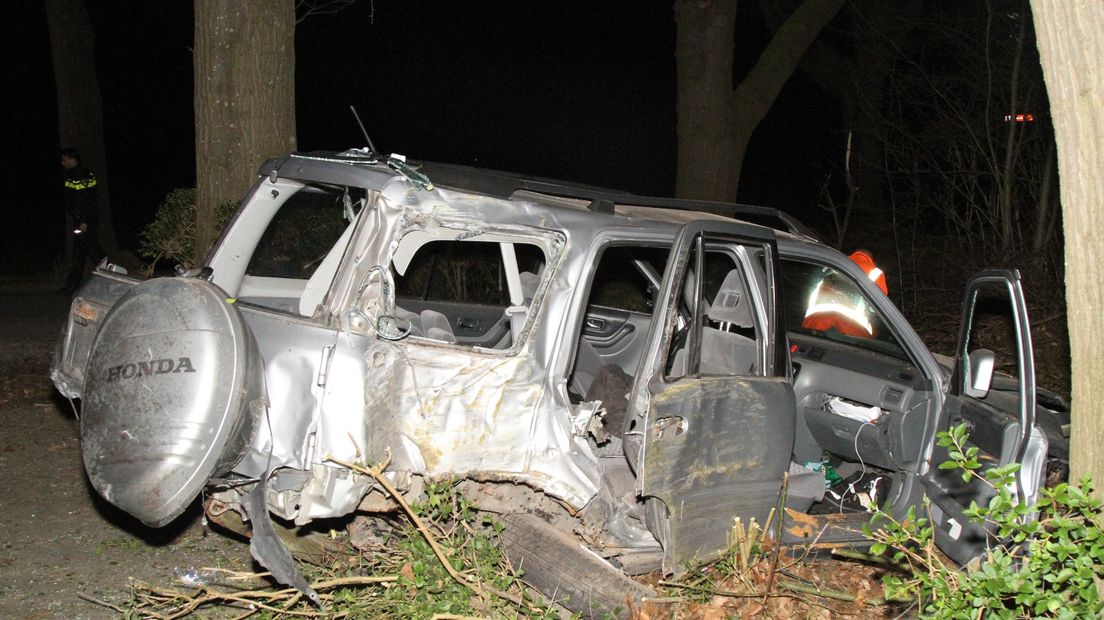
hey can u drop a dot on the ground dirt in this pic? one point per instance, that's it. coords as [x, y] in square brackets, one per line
[58, 539]
[835, 578]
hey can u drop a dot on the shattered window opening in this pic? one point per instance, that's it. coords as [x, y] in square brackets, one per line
[459, 291]
[725, 338]
[612, 337]
[296, 257]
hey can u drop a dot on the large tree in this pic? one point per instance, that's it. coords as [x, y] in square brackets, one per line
[1072, 54]
[244, 98]
[80, 107]
[716, 119]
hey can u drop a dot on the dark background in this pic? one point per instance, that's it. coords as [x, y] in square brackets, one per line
[581, 91]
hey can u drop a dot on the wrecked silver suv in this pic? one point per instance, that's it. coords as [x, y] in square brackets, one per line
[619, 377]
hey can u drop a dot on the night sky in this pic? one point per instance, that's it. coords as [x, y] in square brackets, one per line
[582, 91]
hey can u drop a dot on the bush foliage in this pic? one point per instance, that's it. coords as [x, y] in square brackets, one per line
[1044, 565]
[171, 234]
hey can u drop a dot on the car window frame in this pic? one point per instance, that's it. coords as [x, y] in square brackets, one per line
[918, 353]
[550, 242]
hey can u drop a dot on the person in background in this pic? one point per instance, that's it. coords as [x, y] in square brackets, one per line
[864, 259]
[836, 305]
[81, 205]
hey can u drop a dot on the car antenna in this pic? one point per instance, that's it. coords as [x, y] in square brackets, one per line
[371, 146]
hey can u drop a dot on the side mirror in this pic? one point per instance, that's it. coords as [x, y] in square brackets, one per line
[979, 373]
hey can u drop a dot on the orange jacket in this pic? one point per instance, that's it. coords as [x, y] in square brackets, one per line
[863, 259]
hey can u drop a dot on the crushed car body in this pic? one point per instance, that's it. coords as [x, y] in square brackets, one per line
[633, 372]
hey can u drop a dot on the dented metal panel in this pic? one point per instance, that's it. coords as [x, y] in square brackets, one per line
[717, 449]
[471, 414]
[437, 409]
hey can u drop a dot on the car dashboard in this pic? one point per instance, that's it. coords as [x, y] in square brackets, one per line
[857, 404]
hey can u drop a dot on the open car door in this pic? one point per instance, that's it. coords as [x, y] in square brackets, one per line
[711, 414]
[1001, 424]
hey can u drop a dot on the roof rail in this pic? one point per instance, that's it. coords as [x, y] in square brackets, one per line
[505, 184]
[763, 216]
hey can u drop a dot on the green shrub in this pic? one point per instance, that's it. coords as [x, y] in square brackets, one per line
[171, 234]
[1046, 566]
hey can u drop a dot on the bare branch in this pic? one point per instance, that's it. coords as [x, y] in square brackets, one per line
[306, 8]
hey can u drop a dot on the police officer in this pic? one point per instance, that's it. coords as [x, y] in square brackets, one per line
[81, 205]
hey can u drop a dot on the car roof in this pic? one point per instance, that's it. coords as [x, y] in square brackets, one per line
[365, 169]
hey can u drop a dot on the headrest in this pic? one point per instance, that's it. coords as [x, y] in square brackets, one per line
[730, 305]
[436, 326]
[688, 292]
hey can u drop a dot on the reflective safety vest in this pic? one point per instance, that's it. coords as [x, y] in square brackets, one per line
[831, 308]
[79, 184]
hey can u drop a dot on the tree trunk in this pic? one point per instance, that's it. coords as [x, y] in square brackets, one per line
[244, 99]
[80, 107]
[715, 122]
[704, 33]
[1072, 54]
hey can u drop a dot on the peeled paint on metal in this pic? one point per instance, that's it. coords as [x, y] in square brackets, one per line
[726, 463]
[444, 410]
[457, 412]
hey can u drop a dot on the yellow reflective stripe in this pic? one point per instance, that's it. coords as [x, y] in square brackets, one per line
[854, 315]
[874, 274]
[81, 184]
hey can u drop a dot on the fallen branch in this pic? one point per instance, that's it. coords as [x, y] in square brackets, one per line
[864, 557]
[97, 601]
[840, 595]
[726, 593]
[377, 474]
[781, 513]
[792, 586]
[252, 599]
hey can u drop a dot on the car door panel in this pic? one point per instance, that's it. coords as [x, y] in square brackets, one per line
[617, 335]
[708, 449]
[602, 325]
[717, 449]
[1001, 437]
[475, 324]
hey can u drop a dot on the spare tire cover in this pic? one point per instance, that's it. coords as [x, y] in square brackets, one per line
[175, 389]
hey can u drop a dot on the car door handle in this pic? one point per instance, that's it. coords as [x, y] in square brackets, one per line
[462, 323]
[595, 325]
[968, 422]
